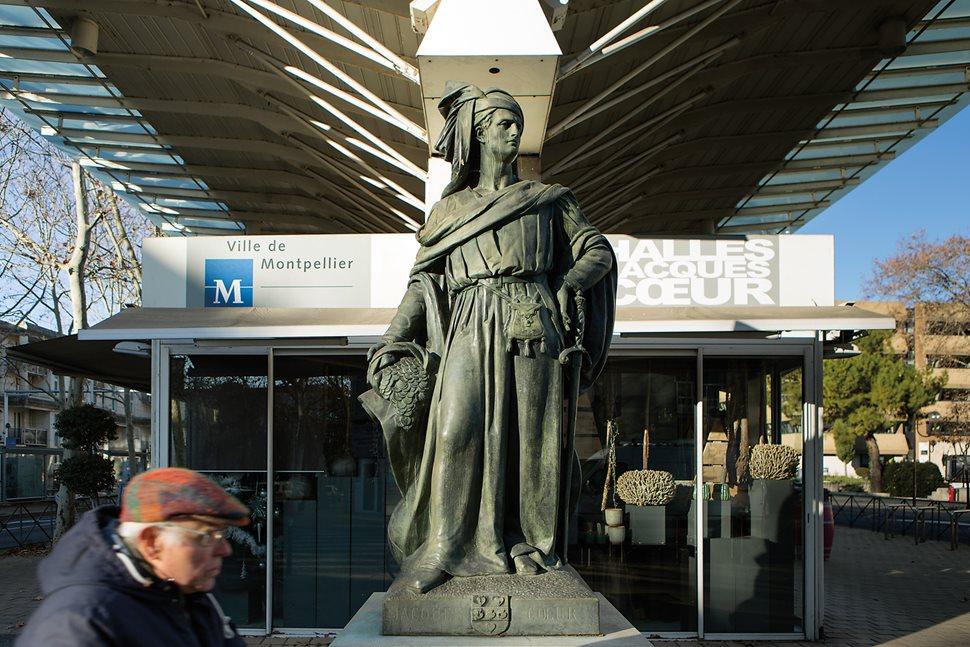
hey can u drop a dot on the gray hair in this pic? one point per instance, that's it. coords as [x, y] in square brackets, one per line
[129, 531]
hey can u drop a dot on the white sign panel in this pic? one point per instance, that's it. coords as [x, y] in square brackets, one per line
[370, 271]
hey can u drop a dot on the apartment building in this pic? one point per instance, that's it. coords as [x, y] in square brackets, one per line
[31, 398]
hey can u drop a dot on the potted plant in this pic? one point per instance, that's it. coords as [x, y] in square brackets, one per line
[646, 493]
[772, 469]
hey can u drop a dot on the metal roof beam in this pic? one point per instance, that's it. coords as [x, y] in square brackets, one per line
[274, 121]
[917, 108]
[922, 47]
[620, 169]
[810, 187]
[595, 53]
[380, 55]
[885, 129]
[279, 201]
[593, 146]
[664, 51]
[287, 73]
[912, 92]
[837, 162]
[756, 192]
[400, 160]
[31, 32]
[406, 69]
[35, 77]
[769, 210]
[917, 70]
[957, 22]
[385, 110]
[874, 140]
[681, 73]
[758, 227]
[375, 175]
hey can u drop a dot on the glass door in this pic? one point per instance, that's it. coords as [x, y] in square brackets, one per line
[753, 495]
[329, 501]
[217, 423]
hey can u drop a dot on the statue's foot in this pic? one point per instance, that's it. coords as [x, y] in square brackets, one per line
[525, 565]
[422, 580]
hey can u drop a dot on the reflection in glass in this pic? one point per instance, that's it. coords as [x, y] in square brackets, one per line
[330, 480]
[753, 543]
[646, 576]
[217, 412]
[241, 586]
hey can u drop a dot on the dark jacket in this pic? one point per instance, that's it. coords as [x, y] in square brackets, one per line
[93, 597]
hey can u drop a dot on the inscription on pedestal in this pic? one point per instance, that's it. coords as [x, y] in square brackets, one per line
[552, 604]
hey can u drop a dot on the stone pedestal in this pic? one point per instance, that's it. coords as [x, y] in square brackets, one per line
[557, 603]
[364, 630]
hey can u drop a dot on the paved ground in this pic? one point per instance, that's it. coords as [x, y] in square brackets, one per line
[890, 593]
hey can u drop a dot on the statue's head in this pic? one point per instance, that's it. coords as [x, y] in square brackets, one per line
[475, 119]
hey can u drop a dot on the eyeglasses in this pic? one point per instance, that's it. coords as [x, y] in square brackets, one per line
[204, 538]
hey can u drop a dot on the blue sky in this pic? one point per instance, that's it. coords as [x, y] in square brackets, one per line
[924, 188]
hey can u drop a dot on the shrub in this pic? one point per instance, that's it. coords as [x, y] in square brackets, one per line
[84, 429]
[897, 478]
[86, 474]
[845, 483]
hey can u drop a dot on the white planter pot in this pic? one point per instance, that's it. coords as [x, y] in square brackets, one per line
[614, 516]
[617, 534]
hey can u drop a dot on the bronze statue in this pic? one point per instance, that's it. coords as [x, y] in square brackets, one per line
[510, 278]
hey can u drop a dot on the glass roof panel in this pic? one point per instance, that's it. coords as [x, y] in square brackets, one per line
[33, 42]
[175, 203]
[42, 67]
[60, 85]
[213, 223]
[134, 155]
[21, 17]
[148, 182]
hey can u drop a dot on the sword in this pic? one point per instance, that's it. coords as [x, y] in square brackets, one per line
[573, 357]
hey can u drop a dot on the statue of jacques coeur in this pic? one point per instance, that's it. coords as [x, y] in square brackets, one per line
[491, 303]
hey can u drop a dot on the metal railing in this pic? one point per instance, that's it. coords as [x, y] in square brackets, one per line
[27, 523]
[926, 518]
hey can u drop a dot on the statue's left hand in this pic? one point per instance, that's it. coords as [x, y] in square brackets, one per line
[565, 298]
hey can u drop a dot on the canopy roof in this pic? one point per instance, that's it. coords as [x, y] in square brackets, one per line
[290, 116]
[335, 325]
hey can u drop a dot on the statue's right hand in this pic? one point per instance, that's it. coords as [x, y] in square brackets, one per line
[373, 349]
[384, 360]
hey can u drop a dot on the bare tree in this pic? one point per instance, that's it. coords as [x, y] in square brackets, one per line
[68, 245]
[924, 270]
[68, 251]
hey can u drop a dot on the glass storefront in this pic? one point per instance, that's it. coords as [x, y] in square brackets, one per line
[282, 429]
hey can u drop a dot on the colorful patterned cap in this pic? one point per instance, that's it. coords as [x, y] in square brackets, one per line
[167, 492]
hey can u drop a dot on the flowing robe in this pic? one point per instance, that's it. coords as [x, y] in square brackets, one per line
[482, 483]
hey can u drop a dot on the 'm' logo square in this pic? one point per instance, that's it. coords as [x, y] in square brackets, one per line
[228, 283]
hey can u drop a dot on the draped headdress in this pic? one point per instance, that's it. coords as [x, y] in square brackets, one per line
[463, 107]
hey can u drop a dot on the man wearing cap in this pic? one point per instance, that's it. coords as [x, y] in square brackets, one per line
[141, 575]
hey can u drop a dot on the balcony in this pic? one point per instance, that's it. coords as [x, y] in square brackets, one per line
[28, 437]
[32, 400]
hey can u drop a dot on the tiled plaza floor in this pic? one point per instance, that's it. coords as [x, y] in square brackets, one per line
[886, 592]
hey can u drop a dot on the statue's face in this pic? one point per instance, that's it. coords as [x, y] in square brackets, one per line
[500, 138]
